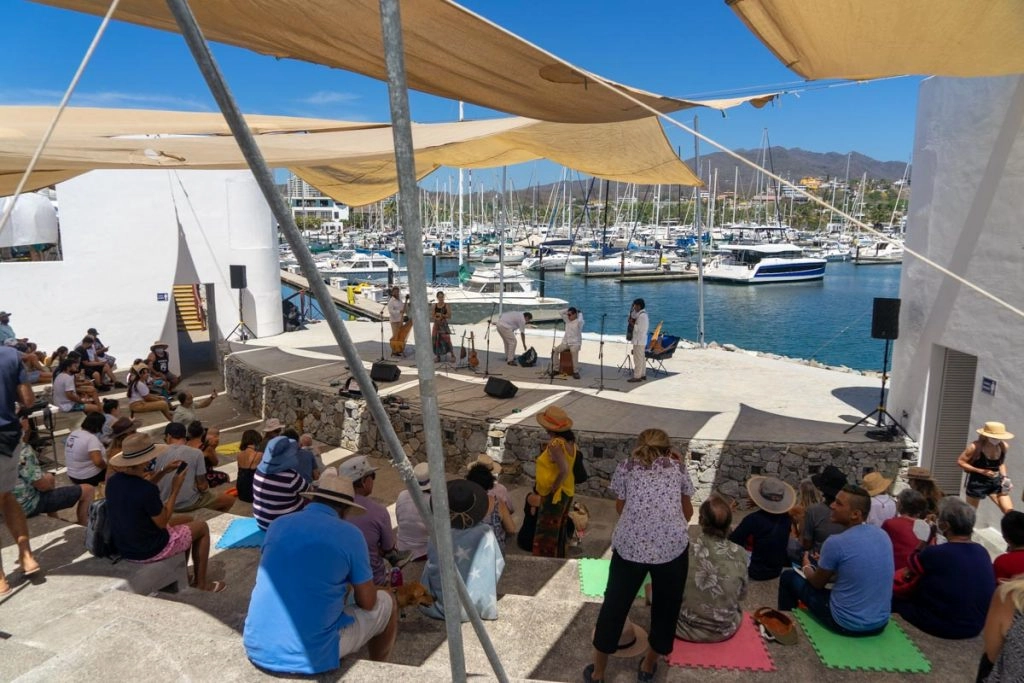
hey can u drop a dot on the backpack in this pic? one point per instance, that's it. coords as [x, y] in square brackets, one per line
[98, 540]
[579, 470]
[528, 359]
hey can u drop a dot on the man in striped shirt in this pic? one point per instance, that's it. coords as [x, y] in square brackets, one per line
[277, 485]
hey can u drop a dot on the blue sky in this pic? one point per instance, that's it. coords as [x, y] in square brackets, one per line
[684, 49]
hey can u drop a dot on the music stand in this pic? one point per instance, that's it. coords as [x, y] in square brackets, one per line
[600, 358]
[241, 329]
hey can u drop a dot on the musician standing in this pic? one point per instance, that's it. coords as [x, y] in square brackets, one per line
[638, 324]
[396, 313]
[572, 338]
[507, 325]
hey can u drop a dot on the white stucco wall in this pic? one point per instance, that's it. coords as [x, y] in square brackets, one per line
[128, 236]
[967, 214]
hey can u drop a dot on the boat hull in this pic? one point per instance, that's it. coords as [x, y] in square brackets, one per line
[767, 274]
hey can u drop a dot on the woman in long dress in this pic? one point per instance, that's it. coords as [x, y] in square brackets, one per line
[555, 484]
[441, 335]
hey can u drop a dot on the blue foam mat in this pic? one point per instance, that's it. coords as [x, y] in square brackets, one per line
[242, 533]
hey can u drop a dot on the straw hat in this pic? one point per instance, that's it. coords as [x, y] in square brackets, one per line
[995, 430]
[124, 425]
[333, 488]
[467, 503]
[920, 473]
[422, 474]
[357, 467]
[874, 483]
[158, 344]
[137, 449]
[272, 425]
[554, 419]
[771, 494]
[632, 640]
[486, 461]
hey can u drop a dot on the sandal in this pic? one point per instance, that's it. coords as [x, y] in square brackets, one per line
[644, 676]
[588, 675]
[216, 587]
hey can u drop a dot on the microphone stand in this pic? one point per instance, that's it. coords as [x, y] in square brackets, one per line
[382, 310]
[551, 368]
[600, 358]
[487, 342]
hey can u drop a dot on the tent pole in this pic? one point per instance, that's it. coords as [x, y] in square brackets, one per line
[264, 178]
[700, 242]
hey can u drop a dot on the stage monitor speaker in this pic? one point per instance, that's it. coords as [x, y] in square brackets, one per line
[238, 277]
[385, 372]
[885, 319]
[500, 388]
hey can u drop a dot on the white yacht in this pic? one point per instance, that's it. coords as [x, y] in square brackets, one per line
[359, 267]
[879, 254]
[749, 264]
[550, 261]
[632, 262]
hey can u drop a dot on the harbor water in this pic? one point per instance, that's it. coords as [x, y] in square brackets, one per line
[827, 320]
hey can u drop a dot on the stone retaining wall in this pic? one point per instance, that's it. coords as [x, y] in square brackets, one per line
[713, 465]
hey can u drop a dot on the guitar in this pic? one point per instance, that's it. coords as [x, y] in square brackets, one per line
[473, 360]
[462, 349]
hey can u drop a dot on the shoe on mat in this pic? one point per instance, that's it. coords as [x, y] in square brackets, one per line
[643, 676]
[588, 675]
[778, 624]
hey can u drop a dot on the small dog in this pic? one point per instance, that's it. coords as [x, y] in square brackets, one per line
[412, 594]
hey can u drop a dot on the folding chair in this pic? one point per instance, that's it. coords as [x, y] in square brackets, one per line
[658, 352]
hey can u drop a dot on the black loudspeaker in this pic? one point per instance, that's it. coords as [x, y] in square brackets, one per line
[500, 388]
[385, 372]
[238, 277]
[885, 319]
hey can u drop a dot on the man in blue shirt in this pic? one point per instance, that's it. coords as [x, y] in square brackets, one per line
[14, 388]
[859, 561]
[301, 619]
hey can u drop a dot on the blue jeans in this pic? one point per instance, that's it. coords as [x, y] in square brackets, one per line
[793, 588]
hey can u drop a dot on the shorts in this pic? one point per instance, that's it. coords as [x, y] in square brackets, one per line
[60, 498]
[74, 408]
[9, 460]
[179, 542]
[205, 499]
[33, 376]
[94, 480]
[982, 487]
[367, 624]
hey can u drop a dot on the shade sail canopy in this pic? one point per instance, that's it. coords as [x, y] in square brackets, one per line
[861, 39]
[449, 51]
[352, 162]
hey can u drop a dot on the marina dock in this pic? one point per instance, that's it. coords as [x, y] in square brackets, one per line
[358, 307]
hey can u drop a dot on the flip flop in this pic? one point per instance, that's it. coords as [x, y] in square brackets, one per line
[32, 572]
[216, 587]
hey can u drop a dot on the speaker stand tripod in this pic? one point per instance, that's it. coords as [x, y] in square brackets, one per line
[241, 329]
[883, 431]
[600, 358]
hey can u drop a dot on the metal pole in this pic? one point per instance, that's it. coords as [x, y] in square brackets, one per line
[501, 241]
[461, 115]
[218, 88]
[700, 242]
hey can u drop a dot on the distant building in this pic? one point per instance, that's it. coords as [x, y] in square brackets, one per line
[811, 183]
[308, 202]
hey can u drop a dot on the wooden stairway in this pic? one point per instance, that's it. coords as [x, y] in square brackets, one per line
[190, 316]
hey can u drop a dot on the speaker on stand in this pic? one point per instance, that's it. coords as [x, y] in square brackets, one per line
[240, 282]
[885, 324]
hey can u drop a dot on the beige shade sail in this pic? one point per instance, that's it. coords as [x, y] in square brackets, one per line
[862, 39]
[449, 51]
[352, 162]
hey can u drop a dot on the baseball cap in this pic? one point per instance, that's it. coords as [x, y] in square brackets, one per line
[356, 467]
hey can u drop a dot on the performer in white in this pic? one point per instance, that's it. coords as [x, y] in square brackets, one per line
[638, 316]
[507, 325]
[572, 338]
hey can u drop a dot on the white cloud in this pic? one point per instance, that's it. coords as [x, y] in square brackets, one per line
[323, 97]
[107, 99]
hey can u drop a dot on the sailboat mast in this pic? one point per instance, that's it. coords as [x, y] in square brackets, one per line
[700, 240]
[461, 117]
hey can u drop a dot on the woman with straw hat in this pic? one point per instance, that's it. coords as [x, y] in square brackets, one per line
[555, 485]
[984, 461]
[883, 506]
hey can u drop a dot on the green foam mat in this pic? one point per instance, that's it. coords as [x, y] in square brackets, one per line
[891, 650]
[594, 577]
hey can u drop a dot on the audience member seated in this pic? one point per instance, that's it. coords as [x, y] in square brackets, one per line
[84, 453]
[413, 530]
[498, 490]
[908, 527]
[53, 361]
[140, 399]
[272, 428]
[160, 365]
[1003, 659]
[95, 369]
[65, 393]
[1011, 563]
[185, 413]
[716, 578]
[84, 385]
[883, 506]
[920, 479]
[308, 464]
[206, 441]
[375, 523]
[111, 414]
[765, 532]
[37, 372]
[248, 459]
[807, 494]
[497, 515]
[140, 521]
[37, 491]
[476, 554]
[818, 524]
[277, 485]
[101, 350]
[6, 331]
[300, 619]
[956, 580]
[309, 455]
[858, 560]
[195, 492]
[122, 429]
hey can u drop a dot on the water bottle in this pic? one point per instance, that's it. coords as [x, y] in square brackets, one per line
[396, 577]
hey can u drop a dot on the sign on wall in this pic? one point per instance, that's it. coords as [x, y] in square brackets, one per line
[988, 386]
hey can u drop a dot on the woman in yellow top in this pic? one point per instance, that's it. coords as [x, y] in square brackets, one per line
[555, 485]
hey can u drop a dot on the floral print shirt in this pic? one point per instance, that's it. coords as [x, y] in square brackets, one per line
[652, 529]
[716, 582]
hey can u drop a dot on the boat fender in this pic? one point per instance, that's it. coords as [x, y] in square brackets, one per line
[750, 266]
